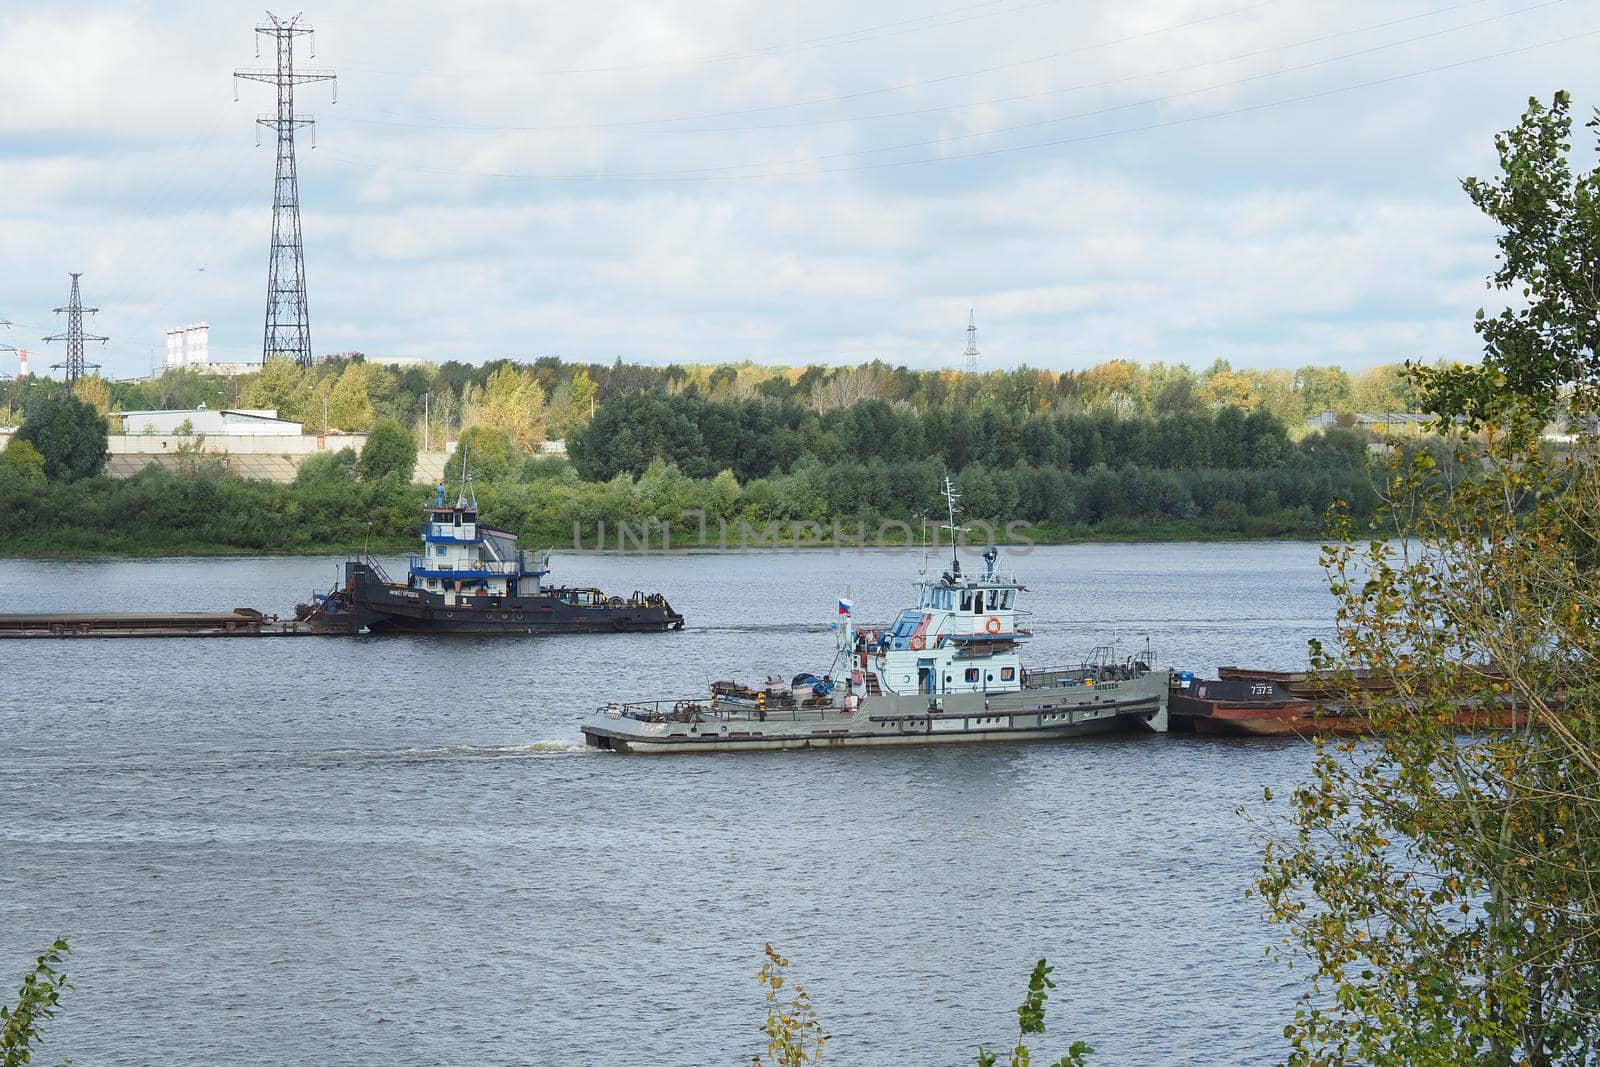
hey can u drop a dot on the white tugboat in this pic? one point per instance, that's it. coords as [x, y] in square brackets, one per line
[947, 670]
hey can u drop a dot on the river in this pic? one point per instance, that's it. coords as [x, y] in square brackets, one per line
[396, 850]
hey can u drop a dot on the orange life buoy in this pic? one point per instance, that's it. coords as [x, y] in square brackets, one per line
[993, 625]
[917, 643]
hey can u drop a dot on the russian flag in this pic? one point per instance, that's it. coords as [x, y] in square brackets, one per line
[845, 604]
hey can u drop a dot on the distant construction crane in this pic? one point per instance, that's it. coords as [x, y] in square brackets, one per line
[970, 356]
[74, 364]
[288, 328]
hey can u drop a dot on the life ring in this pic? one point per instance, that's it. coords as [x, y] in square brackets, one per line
[918, 644]
[871, 637]
[993, 625]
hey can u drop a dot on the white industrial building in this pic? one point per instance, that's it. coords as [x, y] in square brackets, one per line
[225, 422]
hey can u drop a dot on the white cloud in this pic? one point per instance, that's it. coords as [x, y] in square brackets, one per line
[1331, 228]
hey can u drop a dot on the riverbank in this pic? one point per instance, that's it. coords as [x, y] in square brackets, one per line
[128, 548]
[331, 507]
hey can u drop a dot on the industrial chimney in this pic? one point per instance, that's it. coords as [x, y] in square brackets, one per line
[22, 363]
[197, 344]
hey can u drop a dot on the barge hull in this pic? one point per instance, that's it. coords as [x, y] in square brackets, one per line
[717, 743]
[384, 607]
[896, 726]
[243, 622]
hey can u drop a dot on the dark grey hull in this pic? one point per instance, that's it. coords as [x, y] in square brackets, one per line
[380, 607]
[1028, 715]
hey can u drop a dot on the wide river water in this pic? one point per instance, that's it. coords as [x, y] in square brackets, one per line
[396, 850]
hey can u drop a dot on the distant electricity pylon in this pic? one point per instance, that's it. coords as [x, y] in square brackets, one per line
[288, 329]
[74, 364]
[970, 356]
[6, 324]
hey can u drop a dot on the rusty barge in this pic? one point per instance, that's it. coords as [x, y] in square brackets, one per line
[1244, 702]
[240, 622]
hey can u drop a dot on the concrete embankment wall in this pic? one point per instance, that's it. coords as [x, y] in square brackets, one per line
[272, 458]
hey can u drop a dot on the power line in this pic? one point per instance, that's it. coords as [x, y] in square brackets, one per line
[945, 108]
[1165, 97]
[288, 322]
[894, 29]
[897, 87]
[717, 173]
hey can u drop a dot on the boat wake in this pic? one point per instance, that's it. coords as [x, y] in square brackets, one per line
[453, 752]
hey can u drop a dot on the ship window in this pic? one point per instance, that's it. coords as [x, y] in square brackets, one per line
[994, 599]
[1005, 599]
[989, 677]
[439, 550]
[972, 674]
[1007, 673]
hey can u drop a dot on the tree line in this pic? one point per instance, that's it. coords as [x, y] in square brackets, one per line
[757, 438]
[549, 398]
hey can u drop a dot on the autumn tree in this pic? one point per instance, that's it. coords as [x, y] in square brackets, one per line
[282, 386]
[91, 389]
[1444, 892]
[349, 403]
[510, 401]
[572, 403]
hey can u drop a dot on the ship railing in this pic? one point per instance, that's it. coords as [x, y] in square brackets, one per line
[1061, 677]
[423, 563]
[701, 709]
[372, 562]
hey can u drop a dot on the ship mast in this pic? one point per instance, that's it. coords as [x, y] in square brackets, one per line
[461, 495]
[950, 498]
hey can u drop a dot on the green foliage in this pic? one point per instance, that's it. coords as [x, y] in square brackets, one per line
[491, 455]
[1444, 893]
[69, 434]
[390, 450]
[794, 1037]
[281, 386]
[1549, 344]
[760, 438]
[1030, 1022]
[20, 460]
[337, 468]
[22, 1026]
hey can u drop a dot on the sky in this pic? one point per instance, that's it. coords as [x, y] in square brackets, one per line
[1271, 182]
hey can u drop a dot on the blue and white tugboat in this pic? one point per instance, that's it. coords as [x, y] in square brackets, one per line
[948, 669]
[472, 578]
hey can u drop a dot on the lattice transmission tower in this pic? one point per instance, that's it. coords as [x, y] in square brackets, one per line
[970, 356]
[6, 324]
[74, 364]
[288, 329]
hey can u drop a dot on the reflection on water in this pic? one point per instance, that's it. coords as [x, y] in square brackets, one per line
[365, 851]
